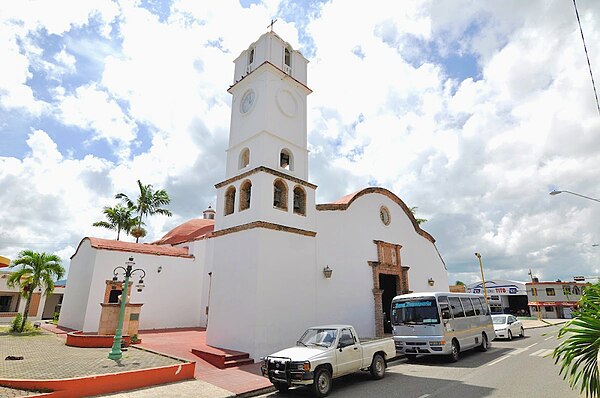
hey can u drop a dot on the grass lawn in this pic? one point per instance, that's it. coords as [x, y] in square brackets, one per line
[5, 331]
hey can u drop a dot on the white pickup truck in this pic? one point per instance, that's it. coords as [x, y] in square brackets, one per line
[324, 353]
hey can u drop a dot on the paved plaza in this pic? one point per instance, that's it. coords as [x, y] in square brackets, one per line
[45, 356]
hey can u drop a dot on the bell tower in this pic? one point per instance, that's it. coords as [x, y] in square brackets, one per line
[265, 221]
[267, 157]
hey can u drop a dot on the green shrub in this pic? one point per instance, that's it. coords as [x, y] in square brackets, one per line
[55, 318]
[15, 326]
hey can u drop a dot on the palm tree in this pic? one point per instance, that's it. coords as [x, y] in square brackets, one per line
[118, 218]
[413, 210]
[34, 270]
[579, 352]
[149, 202]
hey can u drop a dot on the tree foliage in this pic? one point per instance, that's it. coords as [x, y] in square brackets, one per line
[33, 270]
[149, 202]
[413, 210]
[118, 218]
[578, 353]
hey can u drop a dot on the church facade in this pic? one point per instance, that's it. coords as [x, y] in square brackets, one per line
[268, 261]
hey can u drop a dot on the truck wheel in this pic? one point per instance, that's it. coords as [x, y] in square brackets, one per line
[454, 352]
[377, 367]
[322, 383]
[281, 386]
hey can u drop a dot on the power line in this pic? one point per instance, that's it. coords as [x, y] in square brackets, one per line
[587, 56]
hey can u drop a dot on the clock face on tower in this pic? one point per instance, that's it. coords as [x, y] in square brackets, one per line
[247, 101]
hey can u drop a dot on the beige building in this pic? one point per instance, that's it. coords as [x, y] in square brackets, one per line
[11, 302]
[556, 300]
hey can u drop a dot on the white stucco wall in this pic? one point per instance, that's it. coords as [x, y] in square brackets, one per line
[202, 250]
[75, 301]
[171, 297]
[345, 244]
[263, 290]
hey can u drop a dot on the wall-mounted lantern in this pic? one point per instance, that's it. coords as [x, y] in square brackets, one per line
[327, 272]
[430, 281]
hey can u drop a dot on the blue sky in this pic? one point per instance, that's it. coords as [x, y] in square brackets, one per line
[472, 111]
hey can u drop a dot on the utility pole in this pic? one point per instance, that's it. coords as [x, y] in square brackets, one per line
[482, 278]
[534, 291]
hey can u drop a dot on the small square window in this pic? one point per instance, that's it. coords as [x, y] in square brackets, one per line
[550, 291]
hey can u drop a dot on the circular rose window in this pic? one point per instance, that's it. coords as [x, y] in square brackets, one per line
[384, 214]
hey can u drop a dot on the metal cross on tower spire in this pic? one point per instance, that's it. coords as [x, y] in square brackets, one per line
[271, 24]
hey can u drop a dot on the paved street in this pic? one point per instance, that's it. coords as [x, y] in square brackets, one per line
[518, 368]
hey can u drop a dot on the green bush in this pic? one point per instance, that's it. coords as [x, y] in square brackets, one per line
[15, 326]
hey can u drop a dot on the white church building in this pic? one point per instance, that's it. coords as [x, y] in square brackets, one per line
[268, 261]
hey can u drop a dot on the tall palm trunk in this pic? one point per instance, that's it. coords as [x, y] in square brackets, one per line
[26, 312]
[137, 238]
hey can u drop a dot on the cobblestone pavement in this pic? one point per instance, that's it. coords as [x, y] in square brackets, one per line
[6, 392]
[47, 357]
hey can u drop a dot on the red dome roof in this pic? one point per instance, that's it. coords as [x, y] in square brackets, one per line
[195, 229]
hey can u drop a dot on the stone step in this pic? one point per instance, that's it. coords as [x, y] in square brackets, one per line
[223, 358]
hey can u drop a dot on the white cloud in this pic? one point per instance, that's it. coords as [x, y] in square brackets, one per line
[91, 108]
[477, 156]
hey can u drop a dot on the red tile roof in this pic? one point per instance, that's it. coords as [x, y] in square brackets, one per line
[346, 199]
[144, 248]
[195, 229]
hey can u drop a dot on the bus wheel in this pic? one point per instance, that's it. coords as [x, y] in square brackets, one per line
[454, 351]
[485, 344]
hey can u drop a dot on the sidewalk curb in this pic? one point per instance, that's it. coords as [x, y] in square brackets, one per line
[256, 393]
[547, 324]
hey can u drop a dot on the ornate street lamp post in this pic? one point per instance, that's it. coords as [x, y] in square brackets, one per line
[115, 352]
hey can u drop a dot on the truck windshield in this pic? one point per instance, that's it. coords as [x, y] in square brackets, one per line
[418, 311]
[318, 337]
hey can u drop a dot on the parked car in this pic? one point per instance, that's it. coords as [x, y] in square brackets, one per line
[507, 326]
[324, 353]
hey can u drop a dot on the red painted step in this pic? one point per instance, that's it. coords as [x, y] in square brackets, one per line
[223, 358]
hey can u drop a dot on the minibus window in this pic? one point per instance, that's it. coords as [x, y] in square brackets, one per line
[456, 307]
[486, 309]
[420, 311]
[445, 311]
[468, 306]
[478, 308]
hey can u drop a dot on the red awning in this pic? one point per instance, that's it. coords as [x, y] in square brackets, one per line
[553, 303]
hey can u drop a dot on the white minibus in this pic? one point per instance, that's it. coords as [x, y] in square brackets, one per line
[440, 323]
